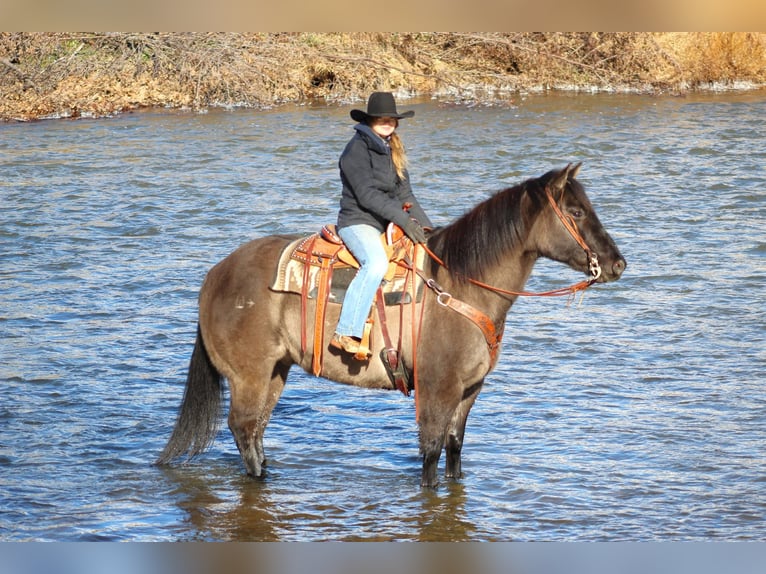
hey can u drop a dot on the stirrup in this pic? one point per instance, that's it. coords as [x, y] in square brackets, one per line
[397, 373]
[349, 345]
[363, 351]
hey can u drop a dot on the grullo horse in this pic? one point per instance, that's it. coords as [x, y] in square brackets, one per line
[250, 335]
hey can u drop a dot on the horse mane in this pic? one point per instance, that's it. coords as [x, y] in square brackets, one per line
[481, 238]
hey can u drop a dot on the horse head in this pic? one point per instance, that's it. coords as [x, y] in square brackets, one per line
[569, 230]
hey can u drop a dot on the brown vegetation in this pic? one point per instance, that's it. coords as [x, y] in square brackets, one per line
[73, 74]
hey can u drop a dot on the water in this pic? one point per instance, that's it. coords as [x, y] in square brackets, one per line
[637, 414]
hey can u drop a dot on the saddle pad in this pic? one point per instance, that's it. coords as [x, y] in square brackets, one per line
[288, 277]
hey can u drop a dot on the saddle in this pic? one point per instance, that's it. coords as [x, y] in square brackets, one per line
[320, 267]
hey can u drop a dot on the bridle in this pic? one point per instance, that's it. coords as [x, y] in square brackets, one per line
[594, 269]
[493, 334]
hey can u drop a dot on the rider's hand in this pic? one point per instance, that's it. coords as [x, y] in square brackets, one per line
[414, 231]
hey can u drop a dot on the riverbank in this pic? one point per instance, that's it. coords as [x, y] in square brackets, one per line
[55, 75]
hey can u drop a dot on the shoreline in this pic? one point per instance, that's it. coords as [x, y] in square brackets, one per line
[505, 99]
[91, 75]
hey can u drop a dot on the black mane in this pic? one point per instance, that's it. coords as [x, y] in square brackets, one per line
[480, 238]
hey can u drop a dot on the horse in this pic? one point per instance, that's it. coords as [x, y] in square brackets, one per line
[250, 335]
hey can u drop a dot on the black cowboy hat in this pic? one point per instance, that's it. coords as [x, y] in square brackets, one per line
[380, 105]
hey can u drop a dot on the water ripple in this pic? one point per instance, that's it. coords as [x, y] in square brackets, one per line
[636, 415]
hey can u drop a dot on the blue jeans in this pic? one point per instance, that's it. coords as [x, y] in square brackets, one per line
[364, 243]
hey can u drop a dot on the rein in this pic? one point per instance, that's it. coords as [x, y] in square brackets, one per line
[493, 335]
[593, 266]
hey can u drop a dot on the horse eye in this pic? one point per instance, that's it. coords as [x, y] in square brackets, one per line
[576, 213]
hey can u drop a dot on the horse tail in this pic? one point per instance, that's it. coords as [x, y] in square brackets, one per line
[200, 411]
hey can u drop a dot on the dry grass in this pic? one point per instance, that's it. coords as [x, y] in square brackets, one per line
[55, 74]
[717, 57]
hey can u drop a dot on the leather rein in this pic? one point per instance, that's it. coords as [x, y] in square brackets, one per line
[494, 335]
[594, 269]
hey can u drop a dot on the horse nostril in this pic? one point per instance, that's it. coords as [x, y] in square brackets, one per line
[618, 267]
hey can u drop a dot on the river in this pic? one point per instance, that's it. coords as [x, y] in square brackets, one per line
[636, 414]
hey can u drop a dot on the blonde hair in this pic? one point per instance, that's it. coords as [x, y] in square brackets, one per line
[398, 155]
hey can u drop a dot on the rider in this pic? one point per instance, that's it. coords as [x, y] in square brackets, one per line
[376, 187]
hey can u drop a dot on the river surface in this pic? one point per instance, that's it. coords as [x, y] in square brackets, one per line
[636, 414]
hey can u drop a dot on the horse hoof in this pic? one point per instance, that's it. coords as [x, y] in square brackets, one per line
[260, 476]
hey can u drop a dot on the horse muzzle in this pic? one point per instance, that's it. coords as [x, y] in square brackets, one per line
[608, 272]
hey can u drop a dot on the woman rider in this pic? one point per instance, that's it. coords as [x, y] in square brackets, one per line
[376, 187]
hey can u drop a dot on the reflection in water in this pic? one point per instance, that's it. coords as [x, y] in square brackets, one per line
[244, 512]
[221, 507]
[443, 515]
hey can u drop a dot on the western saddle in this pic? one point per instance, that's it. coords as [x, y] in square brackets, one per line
[320, 267]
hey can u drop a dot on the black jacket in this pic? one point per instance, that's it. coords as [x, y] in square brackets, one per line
[372, 192]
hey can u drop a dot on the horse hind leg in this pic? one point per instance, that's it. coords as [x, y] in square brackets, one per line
[251, 405]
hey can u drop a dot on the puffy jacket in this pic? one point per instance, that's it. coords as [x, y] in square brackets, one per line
[372, 191]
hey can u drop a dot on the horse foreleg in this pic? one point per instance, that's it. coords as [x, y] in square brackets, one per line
[434, 418]
[251, 407]
[453, 441]
[431, 430]
[430, 463]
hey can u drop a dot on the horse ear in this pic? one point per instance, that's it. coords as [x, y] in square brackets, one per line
[560, 180]
[574, 170]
